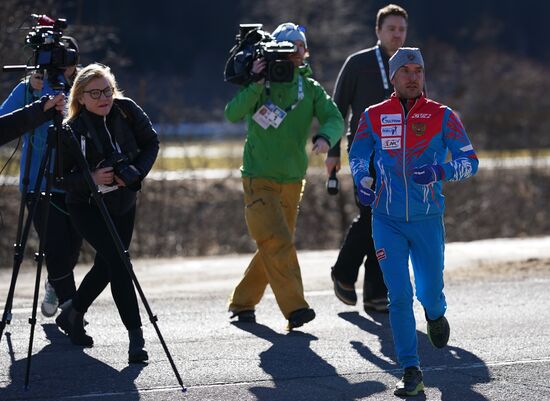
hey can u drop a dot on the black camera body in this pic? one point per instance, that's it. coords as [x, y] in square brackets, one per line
[279, 68]
[333, 185]
[51, 50]
[122, 168]
[252, 43]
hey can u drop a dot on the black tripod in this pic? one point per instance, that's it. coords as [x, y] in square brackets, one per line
[56, 133]
[19, 248]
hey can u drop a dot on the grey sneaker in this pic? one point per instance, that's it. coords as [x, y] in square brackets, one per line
[438, 331]
[50, 301]
[411, 383]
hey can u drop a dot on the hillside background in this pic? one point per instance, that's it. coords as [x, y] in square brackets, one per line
[489, 60]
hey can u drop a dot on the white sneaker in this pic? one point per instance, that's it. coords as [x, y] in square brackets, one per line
[50, 301]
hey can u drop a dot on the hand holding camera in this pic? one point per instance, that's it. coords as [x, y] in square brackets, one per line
[123, 174]
[58, 102]
[252, 43]
[258, 67]
[36, 81]
[103, 176]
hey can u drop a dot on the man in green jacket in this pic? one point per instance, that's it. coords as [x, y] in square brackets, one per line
[274, 166]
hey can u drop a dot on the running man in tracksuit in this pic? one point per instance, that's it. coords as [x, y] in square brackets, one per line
[410, 137]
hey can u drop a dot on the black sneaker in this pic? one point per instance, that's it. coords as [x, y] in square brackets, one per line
[438, 331]
[300, 317]
[376, 304]
[344, 292]
[71, 322]
[411, 383]
[245, 316]
[136, 350]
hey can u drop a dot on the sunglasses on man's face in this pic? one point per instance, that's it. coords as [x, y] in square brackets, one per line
[96, 93]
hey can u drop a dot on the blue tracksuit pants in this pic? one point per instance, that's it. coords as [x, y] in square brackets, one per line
[424, 242]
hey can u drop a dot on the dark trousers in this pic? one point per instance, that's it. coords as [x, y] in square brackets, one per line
[108, 266]
[358, 244]
[62, 245]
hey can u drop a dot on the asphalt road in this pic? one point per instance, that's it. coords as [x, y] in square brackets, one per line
[499, 349]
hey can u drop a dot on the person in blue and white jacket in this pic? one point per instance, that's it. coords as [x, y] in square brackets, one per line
[63, 242]
[410, 137]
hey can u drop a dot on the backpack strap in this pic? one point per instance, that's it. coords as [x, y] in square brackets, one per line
[125, 112]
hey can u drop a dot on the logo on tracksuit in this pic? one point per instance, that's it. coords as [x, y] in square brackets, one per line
[381, 254]
[387, 119]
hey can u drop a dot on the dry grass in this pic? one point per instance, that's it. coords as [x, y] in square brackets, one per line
[490, 271]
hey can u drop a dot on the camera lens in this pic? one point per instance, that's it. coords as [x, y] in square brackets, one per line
[281, 71]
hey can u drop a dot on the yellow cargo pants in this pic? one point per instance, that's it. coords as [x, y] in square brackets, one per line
[271, 210]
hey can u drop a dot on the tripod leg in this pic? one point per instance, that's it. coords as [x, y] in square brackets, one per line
[19, 247]
[74, 148]
[32, 319]
[44, 201]
[152, 318]
[6, 316]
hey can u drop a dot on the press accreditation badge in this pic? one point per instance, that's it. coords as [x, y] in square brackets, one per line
[262, 117]
[269, 115]
[277, 114]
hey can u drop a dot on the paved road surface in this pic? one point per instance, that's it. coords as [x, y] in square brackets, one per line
[499, 349]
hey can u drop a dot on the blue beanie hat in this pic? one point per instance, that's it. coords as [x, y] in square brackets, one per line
[290, 32]
[403, 56]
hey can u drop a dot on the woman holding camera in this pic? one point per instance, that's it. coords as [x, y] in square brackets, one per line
[120, 146]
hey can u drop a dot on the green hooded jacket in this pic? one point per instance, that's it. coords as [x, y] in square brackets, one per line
[279, 154]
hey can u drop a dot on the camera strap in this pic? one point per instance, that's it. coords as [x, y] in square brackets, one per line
[382, 70]
[298, 99]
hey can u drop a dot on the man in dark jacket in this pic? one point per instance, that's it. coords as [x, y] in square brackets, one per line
[363, 81]
[15, 124]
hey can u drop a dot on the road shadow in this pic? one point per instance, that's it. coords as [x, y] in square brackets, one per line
[61, 370]
[452, 370]
[298, 373]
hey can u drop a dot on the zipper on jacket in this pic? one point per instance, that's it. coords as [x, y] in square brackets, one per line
[406, 115]
[114, 144]
[404, 161]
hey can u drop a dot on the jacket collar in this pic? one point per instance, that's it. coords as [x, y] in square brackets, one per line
[419, 100]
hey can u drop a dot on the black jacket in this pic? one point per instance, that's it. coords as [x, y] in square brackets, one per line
[135, 137]
[359, 85]
[15, 124]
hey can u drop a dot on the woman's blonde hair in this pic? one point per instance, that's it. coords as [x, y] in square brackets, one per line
[82, 79]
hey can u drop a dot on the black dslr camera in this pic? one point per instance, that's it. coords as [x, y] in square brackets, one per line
[252, 43]
[123, 169]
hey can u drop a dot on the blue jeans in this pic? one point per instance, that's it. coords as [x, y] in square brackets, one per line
[424, 242]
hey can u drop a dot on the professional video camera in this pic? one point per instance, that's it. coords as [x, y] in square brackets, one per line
[252, 43]
[52, 50]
